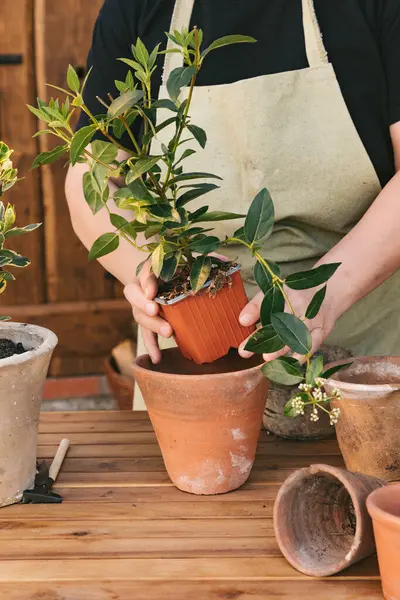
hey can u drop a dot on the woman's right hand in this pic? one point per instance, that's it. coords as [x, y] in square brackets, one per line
[140, 294]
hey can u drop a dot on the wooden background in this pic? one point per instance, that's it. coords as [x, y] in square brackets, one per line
[60, 290]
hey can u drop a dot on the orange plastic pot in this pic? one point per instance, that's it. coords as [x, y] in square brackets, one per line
[205, 327]
[384, 507]
[207, 418]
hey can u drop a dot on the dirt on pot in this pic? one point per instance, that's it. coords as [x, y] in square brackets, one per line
[180, 285]
[9, 348]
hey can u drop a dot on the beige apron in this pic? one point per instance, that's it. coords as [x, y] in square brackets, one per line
[292, 133]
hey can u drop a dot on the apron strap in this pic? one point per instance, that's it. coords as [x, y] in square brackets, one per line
[180, 18]
[315, 49]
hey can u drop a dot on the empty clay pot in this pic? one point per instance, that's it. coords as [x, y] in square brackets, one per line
[207, 418]
[321, 522]
[22, 378]
[205, 327]
[369, 422]
[384, 507]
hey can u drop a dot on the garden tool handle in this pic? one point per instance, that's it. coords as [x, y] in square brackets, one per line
[58, 459]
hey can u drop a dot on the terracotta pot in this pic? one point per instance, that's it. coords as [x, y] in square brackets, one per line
[121, 386]
[22, 379]
[206, 328]
[369, 421]
[384, 507]
[301, 427]
[207, 418]
[321, 522]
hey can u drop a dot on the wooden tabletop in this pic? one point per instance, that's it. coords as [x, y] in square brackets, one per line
[124, 532]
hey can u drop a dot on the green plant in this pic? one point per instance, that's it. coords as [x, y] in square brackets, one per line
[8, 229]
[158, 192]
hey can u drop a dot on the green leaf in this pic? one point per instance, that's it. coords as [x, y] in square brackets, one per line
[260, 218]
[218, 215]
[4, 318]
[329, 372]
[284, 371]
[196, 192]
[309, 279]
[316, 303]
[104, 151]
[315, 369]
[157, 260]
[139, 190]
[197, 213]
[47, 158]
[140, 267]
[262, 275]
[142, 166]
[9, 257]
[73, 81]
[200, 272]
[273, 302]
[96, 194]
[228, 40]
[121, 105]
[205, 245]
[292, 332]
[264, 341]
[118, 221]
[79, 142]
[166, 104]
[199, 134]
[169, 267]
[179, 78]
[289, 411]
[188, 176]
[22, 230]
[106, 243]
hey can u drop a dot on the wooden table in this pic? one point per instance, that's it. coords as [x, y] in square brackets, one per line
[125, 533]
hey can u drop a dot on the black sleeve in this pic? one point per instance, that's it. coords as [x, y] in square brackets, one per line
[114, 33]
[390, 44]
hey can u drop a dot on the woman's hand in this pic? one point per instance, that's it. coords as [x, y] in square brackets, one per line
[320, 327]
[140, 294]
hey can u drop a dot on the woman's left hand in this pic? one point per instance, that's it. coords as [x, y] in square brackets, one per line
[320, 327]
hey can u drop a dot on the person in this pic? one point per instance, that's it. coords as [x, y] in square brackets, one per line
[312, 112]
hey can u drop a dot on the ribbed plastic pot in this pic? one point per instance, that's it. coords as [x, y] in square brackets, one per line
[205, 327]
[22, 379]
[207, 418]
[369, 422]
[321, 521]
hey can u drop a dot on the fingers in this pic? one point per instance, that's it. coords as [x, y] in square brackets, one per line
[275, 355]
[138, 300]
[250, 315]
[148, 282]
[153, 324]
[151, 343]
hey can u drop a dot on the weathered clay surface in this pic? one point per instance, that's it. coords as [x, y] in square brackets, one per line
[22, 379]
[207, 418]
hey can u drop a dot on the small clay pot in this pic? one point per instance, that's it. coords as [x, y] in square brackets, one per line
[384, 507]
[121, 386]
[205, 327]
[301, 427]
[207, 418]
[369, 422]
[321, 522]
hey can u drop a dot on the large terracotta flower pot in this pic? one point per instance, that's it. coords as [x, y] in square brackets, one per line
[384, 507]
[207, 418]
[321, 521]
[22, 378]
[206, 327]
[369, 422]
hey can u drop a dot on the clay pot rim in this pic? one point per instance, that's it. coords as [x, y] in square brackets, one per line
[379, 514]
[184, 377]
[360, 387]
[292, 481]
[47, 342]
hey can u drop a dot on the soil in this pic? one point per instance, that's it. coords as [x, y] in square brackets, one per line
[181, 283]
[9, 348]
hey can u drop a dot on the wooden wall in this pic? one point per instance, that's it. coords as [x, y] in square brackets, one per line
[60, 290]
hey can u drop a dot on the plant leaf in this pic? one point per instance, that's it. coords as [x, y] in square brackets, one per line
[262, 275]
[121, 105]
[199, 134]
[104, 151]
[179, 78]
[21, 230]
[95, 195]
[205, 245]
[73, 81]
[273, 302]
[289, 411]
[106, 243]
[200, 272]
[316, 303]
[157, 260]
[218, 215]
[329, 372]
[292, 332]
[169, 267]
[79, 142]
[284, 371]
[187, 176]
[264, 341]
[315, 369]
[260, 218]
[196, 193]
[117, 221]
[228, 40]
[166, 104]
[142, 166]
[309, 279]
[49, 157]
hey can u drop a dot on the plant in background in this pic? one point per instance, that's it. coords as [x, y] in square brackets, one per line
[9, 258]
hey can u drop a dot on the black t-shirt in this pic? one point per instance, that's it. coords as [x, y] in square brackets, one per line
[362, 38]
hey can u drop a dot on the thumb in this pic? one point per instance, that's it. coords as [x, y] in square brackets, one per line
[251, 312]
[148, 281]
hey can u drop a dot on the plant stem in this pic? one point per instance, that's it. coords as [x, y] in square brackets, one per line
[132, 137]
[104, 132]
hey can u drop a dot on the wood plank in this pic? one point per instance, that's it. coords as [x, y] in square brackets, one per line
[100, 427]
[309, 589]
[92, 416]
[88, 439]
[153, 569]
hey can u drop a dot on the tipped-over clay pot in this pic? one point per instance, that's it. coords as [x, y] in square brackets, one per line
[369, 422]
[321, 521]
[384, 507]
[207, 418]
